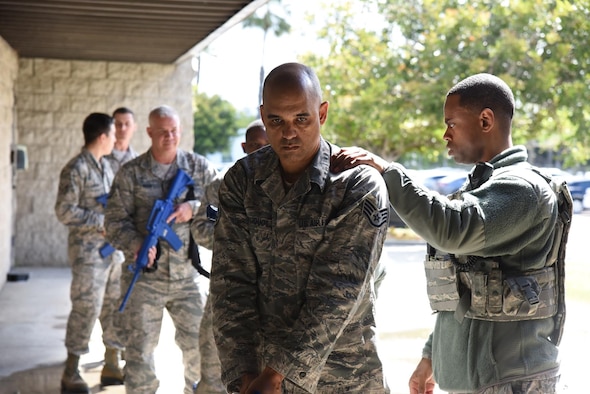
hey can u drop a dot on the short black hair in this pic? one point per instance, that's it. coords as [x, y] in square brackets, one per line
[123, 110]
[94, 125]
[481, 91]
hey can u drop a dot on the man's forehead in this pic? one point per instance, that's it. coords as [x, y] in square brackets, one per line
[164, 120]
[256, 132]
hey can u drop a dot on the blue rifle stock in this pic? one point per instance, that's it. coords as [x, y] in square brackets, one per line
[158, 228]
[107, 249]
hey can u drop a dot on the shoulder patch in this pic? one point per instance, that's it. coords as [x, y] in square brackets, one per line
[405, 180]
[377, 217]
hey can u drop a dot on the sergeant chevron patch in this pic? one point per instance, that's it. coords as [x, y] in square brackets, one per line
[405, 180]
[377, 217]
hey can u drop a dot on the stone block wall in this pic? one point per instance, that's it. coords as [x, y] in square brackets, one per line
[8, 72]
[52, 99]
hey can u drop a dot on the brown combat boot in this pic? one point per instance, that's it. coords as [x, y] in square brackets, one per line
[71, 381]
[111, 374]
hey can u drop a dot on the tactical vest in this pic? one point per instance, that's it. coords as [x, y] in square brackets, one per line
[478, 288]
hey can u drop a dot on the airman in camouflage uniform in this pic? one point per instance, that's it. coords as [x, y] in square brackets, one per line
[202, 230]
[492, 255]
[95, 280]
[125, 127]
[295, 255]
[172, 285]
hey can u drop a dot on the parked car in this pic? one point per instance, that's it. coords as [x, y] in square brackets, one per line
[554, 171]
[451, 183]
[586, 200]
[430, 177]
[578, 190]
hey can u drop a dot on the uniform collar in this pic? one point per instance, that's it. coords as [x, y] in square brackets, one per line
[510, 156]
[181, 161]
[267, 165]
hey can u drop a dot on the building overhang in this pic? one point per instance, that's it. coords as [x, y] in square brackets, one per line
[118, 30]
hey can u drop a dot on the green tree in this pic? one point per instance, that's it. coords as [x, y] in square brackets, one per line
[387, 82]
[268, 21]
[215, 122]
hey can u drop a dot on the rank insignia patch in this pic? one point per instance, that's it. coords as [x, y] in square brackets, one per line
[405, 180]
[377, 217]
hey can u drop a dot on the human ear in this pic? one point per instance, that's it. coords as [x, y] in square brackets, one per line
[487, 119]
[323, 112]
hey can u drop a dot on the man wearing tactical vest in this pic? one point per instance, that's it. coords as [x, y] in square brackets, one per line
[495, 256]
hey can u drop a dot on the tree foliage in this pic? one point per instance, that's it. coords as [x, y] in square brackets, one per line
[387, 80]
[215, 122]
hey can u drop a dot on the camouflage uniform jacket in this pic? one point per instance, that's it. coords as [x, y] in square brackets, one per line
[81, 182]
[292, 283]
[134, 191]
[202, 225]
[511, 217]
[118, 158]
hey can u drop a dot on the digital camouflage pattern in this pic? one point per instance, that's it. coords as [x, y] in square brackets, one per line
[292, 283]
[202, 231]
[210, 382]
[173, 286]
[492, 295]
[95, 281]
[117, 158]
[202, 226]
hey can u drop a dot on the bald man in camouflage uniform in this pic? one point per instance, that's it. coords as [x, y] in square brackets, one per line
[95, 280]
[172, 285]
[295, 256]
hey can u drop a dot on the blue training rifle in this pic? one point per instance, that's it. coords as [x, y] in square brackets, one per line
[158, 229]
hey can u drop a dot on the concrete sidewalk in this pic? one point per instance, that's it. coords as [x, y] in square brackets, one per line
[33, 316]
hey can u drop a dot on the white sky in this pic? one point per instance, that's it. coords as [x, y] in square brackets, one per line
[230, 66]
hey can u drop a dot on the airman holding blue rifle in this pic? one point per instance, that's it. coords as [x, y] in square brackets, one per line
[171, 283]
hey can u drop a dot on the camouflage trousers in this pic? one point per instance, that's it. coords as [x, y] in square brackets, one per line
[210, 382]
[142, 323]
[94, 292]
[541, 385]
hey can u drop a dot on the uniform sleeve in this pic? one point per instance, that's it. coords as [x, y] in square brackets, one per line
[233, 286]
[476, 222]
[202, 226]
[67, 205]
[121, 230]
[427, 349]
[203, 173]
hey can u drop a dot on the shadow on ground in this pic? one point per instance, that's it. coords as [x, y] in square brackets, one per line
[40, 380]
